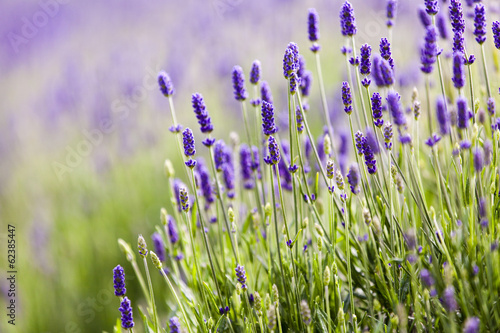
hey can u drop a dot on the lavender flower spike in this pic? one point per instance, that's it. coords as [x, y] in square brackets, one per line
[268, 126]
[173, 235]
[241, 276]
[385, 51]
[462, 113]
[119, 281]
[429, 50]
[166, 85]
[431, 7]
[382, 72]
[274, 152]
[478, 160]
[347, 20]
[126, 311]
[346, 97]
[457, 17]
[188, 142]
[377, 109]
[365, 63]
[443, 116]
[291, 60]
[246, 167]
[480, 23]
[240, 93]
[388, 136]
[472, 325]
[184, 199]
[395, 109]
[255, 72]
[175, 325]
[313, 25]
[201, 113]
[159, 246]
[458, 70]
[424, 17]
[391, 11]
[369, 157]
[449, 301]
[496, 33]
[353, 178]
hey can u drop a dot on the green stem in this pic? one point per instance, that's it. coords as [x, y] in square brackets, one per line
[177, 299]
[152, 296]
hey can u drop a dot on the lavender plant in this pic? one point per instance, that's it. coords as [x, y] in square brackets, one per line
[273, 240]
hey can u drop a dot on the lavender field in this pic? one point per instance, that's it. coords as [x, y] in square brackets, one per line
[250, 166]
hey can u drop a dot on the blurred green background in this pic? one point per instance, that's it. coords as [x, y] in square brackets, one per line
[84, 128]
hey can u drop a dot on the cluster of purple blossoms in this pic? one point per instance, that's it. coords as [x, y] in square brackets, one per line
[480, 23]
[268, 126]
[388, 136]
[424, 17]
[240, 93]
[255, 72]
[369, 156]
[429, 50]
[385, 51]
[246, 167]
[291, 60]
[376, 101]
[184, 199]
[496, 33]
[457, 24]
[178, 184]
[205, 184]
[358, 138]
[219, 154]
[442, 25]
[166, 85]
[365, 65]
[305, 83]
[458, 70]
[189, 147]
[175, 325]
[391, 11]
[443, 117]
[372, 140]
[431, 7]
[395, 109]
[382, 72]
[173, 235]
[159, 246]
[300, 120]
[274, 152]
[347, 20]
[201, 113]
[472, 325]
[313, 25]
[449, 301]
[490, 105]
[119, 281]
[241, 276]
[265, 92]
[346, 97]
[126, 311]
[462, 113]
[478, 160]
[353, 178]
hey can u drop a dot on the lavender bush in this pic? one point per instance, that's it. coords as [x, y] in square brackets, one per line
[269, 233]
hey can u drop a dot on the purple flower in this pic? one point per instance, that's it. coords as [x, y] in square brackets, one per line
[166, 85]
[178, 184]
[388, 136]
[268, 126]
[175, 325]
[294, 82]
[347, 20]
[265, 92]
[240, 94]
[228, 173]
[478, 159]
[346, 97]
[256, 161]
[458, 46]
[159, 246]
[119, 281]
[173, 235]
[365, 63]
[465, 144]
[431, 7]
[184, 199]
[471, 325]
[377, 109]
[496, 33]
[300, 120]
[488, 150]
[462, 113]
[443, 117]
[391, 11]
[382, 72]
[480, 23]
[432, 140]
[305, 83]
[458, 70]
[491, 106]
[219, 154]
[442, 26]
[395, 109]
[126, 311]
[246, 166]
[358, 138]
[426, 278]
[329, 169]
[188, 142]
[353, 178]
[369, 157]
[449, 301]
[313, 25]
[372, 140]
[274, 152]
[201, 113]
[284, 172]
[291, 60]
[241, 276]
[429, 50]
[424, 17]
[457, 17]
[206, 186]
[255, 72]
[385, 51]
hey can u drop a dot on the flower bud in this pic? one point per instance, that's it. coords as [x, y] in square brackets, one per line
[169, 169]
[155, 260]
[326, 276]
